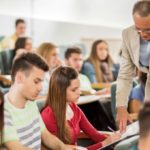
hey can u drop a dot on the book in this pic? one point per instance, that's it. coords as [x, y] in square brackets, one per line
[131, 130]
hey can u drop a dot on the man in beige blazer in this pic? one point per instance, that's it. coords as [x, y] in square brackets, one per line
[135, 53]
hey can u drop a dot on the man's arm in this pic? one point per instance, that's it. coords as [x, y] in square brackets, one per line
[124, 85]
[15, 145]
[52, 141]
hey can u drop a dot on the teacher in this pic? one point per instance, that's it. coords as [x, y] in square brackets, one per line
[135, 53]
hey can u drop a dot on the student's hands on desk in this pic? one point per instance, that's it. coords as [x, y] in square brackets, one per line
[75, 147]
[93, 92]
[111, 139]
[103, 91]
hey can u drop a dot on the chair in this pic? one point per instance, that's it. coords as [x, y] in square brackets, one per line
[6, 59]
[113, 97]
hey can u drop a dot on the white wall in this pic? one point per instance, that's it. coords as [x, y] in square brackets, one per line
[58, 32]
[111, 13]
[66, 22]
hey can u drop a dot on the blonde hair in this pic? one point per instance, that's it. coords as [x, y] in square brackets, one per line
[93, 58]
[45, 48]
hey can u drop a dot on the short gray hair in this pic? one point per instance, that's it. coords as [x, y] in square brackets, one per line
[142, 8]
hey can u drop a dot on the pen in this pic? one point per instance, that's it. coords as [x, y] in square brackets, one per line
[111, 129]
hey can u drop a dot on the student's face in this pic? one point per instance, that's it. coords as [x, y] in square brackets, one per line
[73, 91]
[31, 84]
[53, 58]
[21, 29]
[142, 24]
[75, 61]
[28, 45]
[144, 144]
[102, 51]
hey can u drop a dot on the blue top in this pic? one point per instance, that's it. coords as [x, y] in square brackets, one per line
[89, 70]
[144, 52]
[138, 93]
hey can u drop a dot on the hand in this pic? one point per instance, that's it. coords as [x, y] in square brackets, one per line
[103, 91]
[74, 147]
[122, 118]
[112, 138]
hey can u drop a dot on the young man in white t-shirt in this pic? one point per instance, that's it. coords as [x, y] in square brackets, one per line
[23, 127]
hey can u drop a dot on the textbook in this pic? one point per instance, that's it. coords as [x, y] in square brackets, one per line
[132, 130]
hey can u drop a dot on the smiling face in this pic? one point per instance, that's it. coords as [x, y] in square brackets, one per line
[142, 25]
[30, 83]
[73, 91]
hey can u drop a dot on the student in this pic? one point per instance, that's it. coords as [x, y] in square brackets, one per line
[63, 117]
[51, 55]
[136, 98]
[1, 117]
[9, 42]
[99, 65]
[144, 126]
[23, 43]
[24, 128]
[74, 59]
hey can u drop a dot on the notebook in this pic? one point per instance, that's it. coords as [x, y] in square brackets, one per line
[132, 130]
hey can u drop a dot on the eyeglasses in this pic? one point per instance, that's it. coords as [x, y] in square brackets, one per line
[143, 30]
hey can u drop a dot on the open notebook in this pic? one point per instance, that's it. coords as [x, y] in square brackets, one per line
[132, 130]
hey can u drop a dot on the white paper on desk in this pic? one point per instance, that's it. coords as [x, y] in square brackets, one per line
[132, 129]
[91, 98]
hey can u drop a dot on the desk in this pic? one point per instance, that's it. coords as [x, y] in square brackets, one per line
[92, 98]
[99, 86]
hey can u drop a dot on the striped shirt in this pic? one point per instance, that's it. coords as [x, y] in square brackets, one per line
[23, 125]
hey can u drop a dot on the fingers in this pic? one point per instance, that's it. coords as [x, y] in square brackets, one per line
[130, 119]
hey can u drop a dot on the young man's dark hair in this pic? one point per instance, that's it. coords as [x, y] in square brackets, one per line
[19, 21]
[72, 50]
[144, 120]
[142, 8]
[26, 61]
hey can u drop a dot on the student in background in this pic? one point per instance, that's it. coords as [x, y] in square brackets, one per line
[1, 117]
[74, 59]
[23, 43]
[51, 55]
[136, 98]
[63, 117]
[24, 128]
[99, 65]
[144, 126]
[9, 42]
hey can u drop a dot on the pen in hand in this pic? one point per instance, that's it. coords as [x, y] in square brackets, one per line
[111, 129]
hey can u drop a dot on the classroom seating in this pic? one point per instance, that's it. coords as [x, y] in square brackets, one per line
[6, 59]
[113, 97]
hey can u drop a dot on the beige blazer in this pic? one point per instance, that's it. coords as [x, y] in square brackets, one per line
[129, 61]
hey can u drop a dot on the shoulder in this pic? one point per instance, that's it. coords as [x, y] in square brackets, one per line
[88, 65]
[82, 76]
[77, 111]
[47, 111]
[130, 31]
